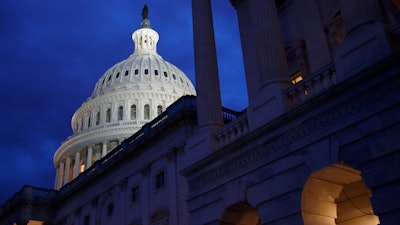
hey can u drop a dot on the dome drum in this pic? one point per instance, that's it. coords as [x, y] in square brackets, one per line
[128, 95]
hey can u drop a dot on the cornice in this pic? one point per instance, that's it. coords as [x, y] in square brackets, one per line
[274, 147]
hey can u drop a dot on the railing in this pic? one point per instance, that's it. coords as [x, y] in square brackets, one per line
[30, 195]
[232, 131]
[185, 103]
[313, 85]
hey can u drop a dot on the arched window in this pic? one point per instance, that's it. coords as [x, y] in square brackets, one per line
[133, 112]
[89, 122]
[108, 115]
[97, 118]
[159, 110]
[146, 112]
[120, 113]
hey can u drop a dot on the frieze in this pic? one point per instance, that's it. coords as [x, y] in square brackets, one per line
[328, 118]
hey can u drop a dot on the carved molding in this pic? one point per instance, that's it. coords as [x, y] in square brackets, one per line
[267, 147]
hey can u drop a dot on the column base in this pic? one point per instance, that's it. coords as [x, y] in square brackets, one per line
[367, 45]
[267, 105]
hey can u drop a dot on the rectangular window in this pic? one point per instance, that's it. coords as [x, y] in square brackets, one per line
[86, 220]
[160, 180]
[135, 194]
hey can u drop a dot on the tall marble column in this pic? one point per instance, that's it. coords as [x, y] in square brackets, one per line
[357, 12]
[60, 175]
[270, 78]
[271, 56]
[89, 157]
[366, 41]
[104, 149]
[209, 109]
[77, 164]
[67, 168]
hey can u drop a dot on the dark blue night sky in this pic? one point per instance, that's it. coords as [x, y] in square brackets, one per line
[53, 52]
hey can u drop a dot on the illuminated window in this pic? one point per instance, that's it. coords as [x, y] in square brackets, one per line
[296, 78]
[108, 115]
[133, 112]
[120, 113]
[146, 112]
[82, 168]
[159, 110]
[160, 180]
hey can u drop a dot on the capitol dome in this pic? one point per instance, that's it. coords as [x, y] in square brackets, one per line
[128, 95]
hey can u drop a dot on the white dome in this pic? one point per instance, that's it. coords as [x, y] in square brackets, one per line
[128, 95]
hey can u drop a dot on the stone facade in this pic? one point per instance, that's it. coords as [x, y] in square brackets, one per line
[318, 143]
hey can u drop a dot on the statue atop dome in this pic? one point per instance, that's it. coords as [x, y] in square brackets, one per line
[145, 12]
[145, 17]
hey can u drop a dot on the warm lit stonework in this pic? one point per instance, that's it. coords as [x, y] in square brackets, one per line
[317, 145]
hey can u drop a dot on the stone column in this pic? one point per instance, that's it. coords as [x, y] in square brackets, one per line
[271, 56]
[104, 149]
[60, 175]
[366, 41]
[77, 164]
[67, 168]
[209, 109]
[89, 157]
[269, 98]
[357, 12]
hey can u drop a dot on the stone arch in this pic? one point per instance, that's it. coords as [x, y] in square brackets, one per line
[337, 195]
[240, 213]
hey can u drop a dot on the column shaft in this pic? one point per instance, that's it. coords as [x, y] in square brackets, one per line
[270, 53]
[67, 169]
[77, 164]
[209, 109]
[356, 12]
[60, 175]
[104, 149]
[89, 157]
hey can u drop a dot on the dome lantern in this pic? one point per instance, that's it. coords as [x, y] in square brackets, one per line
[145, 38]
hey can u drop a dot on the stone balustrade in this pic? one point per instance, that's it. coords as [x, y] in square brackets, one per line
[313, 85]
[232, 131]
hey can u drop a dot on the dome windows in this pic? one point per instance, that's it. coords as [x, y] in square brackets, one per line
[120, 113]
[108, 115]
[159, 109]
[109, 78]
[117, 76]
[147, 112]
[156, 72]
[126, 72]
[146, 71]
[165, 74]
[173, 76]
[133, 112]
[136, 71]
